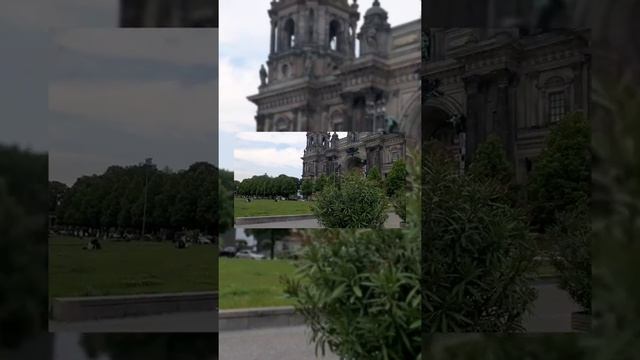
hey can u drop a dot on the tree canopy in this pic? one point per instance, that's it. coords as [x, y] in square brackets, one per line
[267, 186]
[115, 199]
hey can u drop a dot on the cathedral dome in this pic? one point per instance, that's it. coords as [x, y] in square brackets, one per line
[376, 9]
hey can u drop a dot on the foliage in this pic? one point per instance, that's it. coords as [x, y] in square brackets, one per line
[572, 240]
[267, 186]
[268, 238]
[115, 199]
[490, 162]
[23, 229]
[359, 290]
[374, 176]
[307, 187]
[399, 202]
[357, 203]
[562, 175]
[321, 182]
[225, 201]
[396, 181]
[477, 253]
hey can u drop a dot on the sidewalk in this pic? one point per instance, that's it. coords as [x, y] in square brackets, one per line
[285, 343]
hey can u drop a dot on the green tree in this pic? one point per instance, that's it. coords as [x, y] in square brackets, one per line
[490, 162]
[320, 183]
[477, 252]
[396, 180]
[562, 175]
[359, 290]
[374, 176]
[357, 203]
[307, 187]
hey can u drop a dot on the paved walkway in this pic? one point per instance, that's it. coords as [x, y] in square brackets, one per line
[393, 222]
[551, 310]
[288, 343]
[178, 322]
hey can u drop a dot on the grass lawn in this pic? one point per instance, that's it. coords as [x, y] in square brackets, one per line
[129, 268]
[267, 207]
[248, 283]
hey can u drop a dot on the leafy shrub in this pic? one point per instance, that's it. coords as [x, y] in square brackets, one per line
[356, 203]
[359, 290]
[399, 202]
[572, 240]
[374, 176]
[562, 175]
[477, 253]
[396, 181]
[490, 162]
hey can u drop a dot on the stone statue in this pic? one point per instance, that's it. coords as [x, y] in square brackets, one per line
[263, 75]
[371, 38]
[391, 125]
[308, 65]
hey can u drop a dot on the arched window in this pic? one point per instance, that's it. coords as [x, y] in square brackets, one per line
[335, 43]
[290, 33]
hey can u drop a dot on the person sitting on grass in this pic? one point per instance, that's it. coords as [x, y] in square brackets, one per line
[94, 244]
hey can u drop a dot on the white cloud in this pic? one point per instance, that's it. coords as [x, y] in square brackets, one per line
[140, 107]
[236, 83]
[182, 46]
[270, 157]
[284, 138]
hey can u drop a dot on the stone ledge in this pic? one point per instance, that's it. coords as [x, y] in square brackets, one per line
[239, 221]
[258, 318]
[109, 307]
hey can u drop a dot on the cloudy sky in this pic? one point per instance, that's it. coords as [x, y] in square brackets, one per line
[118, 96]
[244, 45]
[25, 48]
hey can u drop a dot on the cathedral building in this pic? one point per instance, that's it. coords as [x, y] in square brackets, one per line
[324, 73]
[514, 84]
[327, 154]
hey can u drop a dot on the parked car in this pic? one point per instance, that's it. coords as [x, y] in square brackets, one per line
[229, 251]
[246, 254]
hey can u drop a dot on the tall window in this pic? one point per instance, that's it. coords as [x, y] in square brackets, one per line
[334, 33]
[290, 32]
[557, 108]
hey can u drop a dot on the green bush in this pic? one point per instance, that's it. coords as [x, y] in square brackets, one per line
[356, 203]
[396, 181]
[490, 162]
[374, 176]
[562, 175]
[477, 253]
[572, 244]
[359, 290]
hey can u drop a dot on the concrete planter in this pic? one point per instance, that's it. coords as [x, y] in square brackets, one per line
[581, 321]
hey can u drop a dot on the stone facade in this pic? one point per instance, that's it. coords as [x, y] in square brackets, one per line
[168, 13]
[327, 154]
[316, 80]
[500, 81]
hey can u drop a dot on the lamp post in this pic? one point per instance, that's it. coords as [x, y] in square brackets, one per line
[147, 164]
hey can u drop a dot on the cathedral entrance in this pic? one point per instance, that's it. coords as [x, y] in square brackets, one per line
[438, 125]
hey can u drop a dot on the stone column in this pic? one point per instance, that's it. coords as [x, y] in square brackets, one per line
[503, 124]
[475, 115]
[273, 36]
